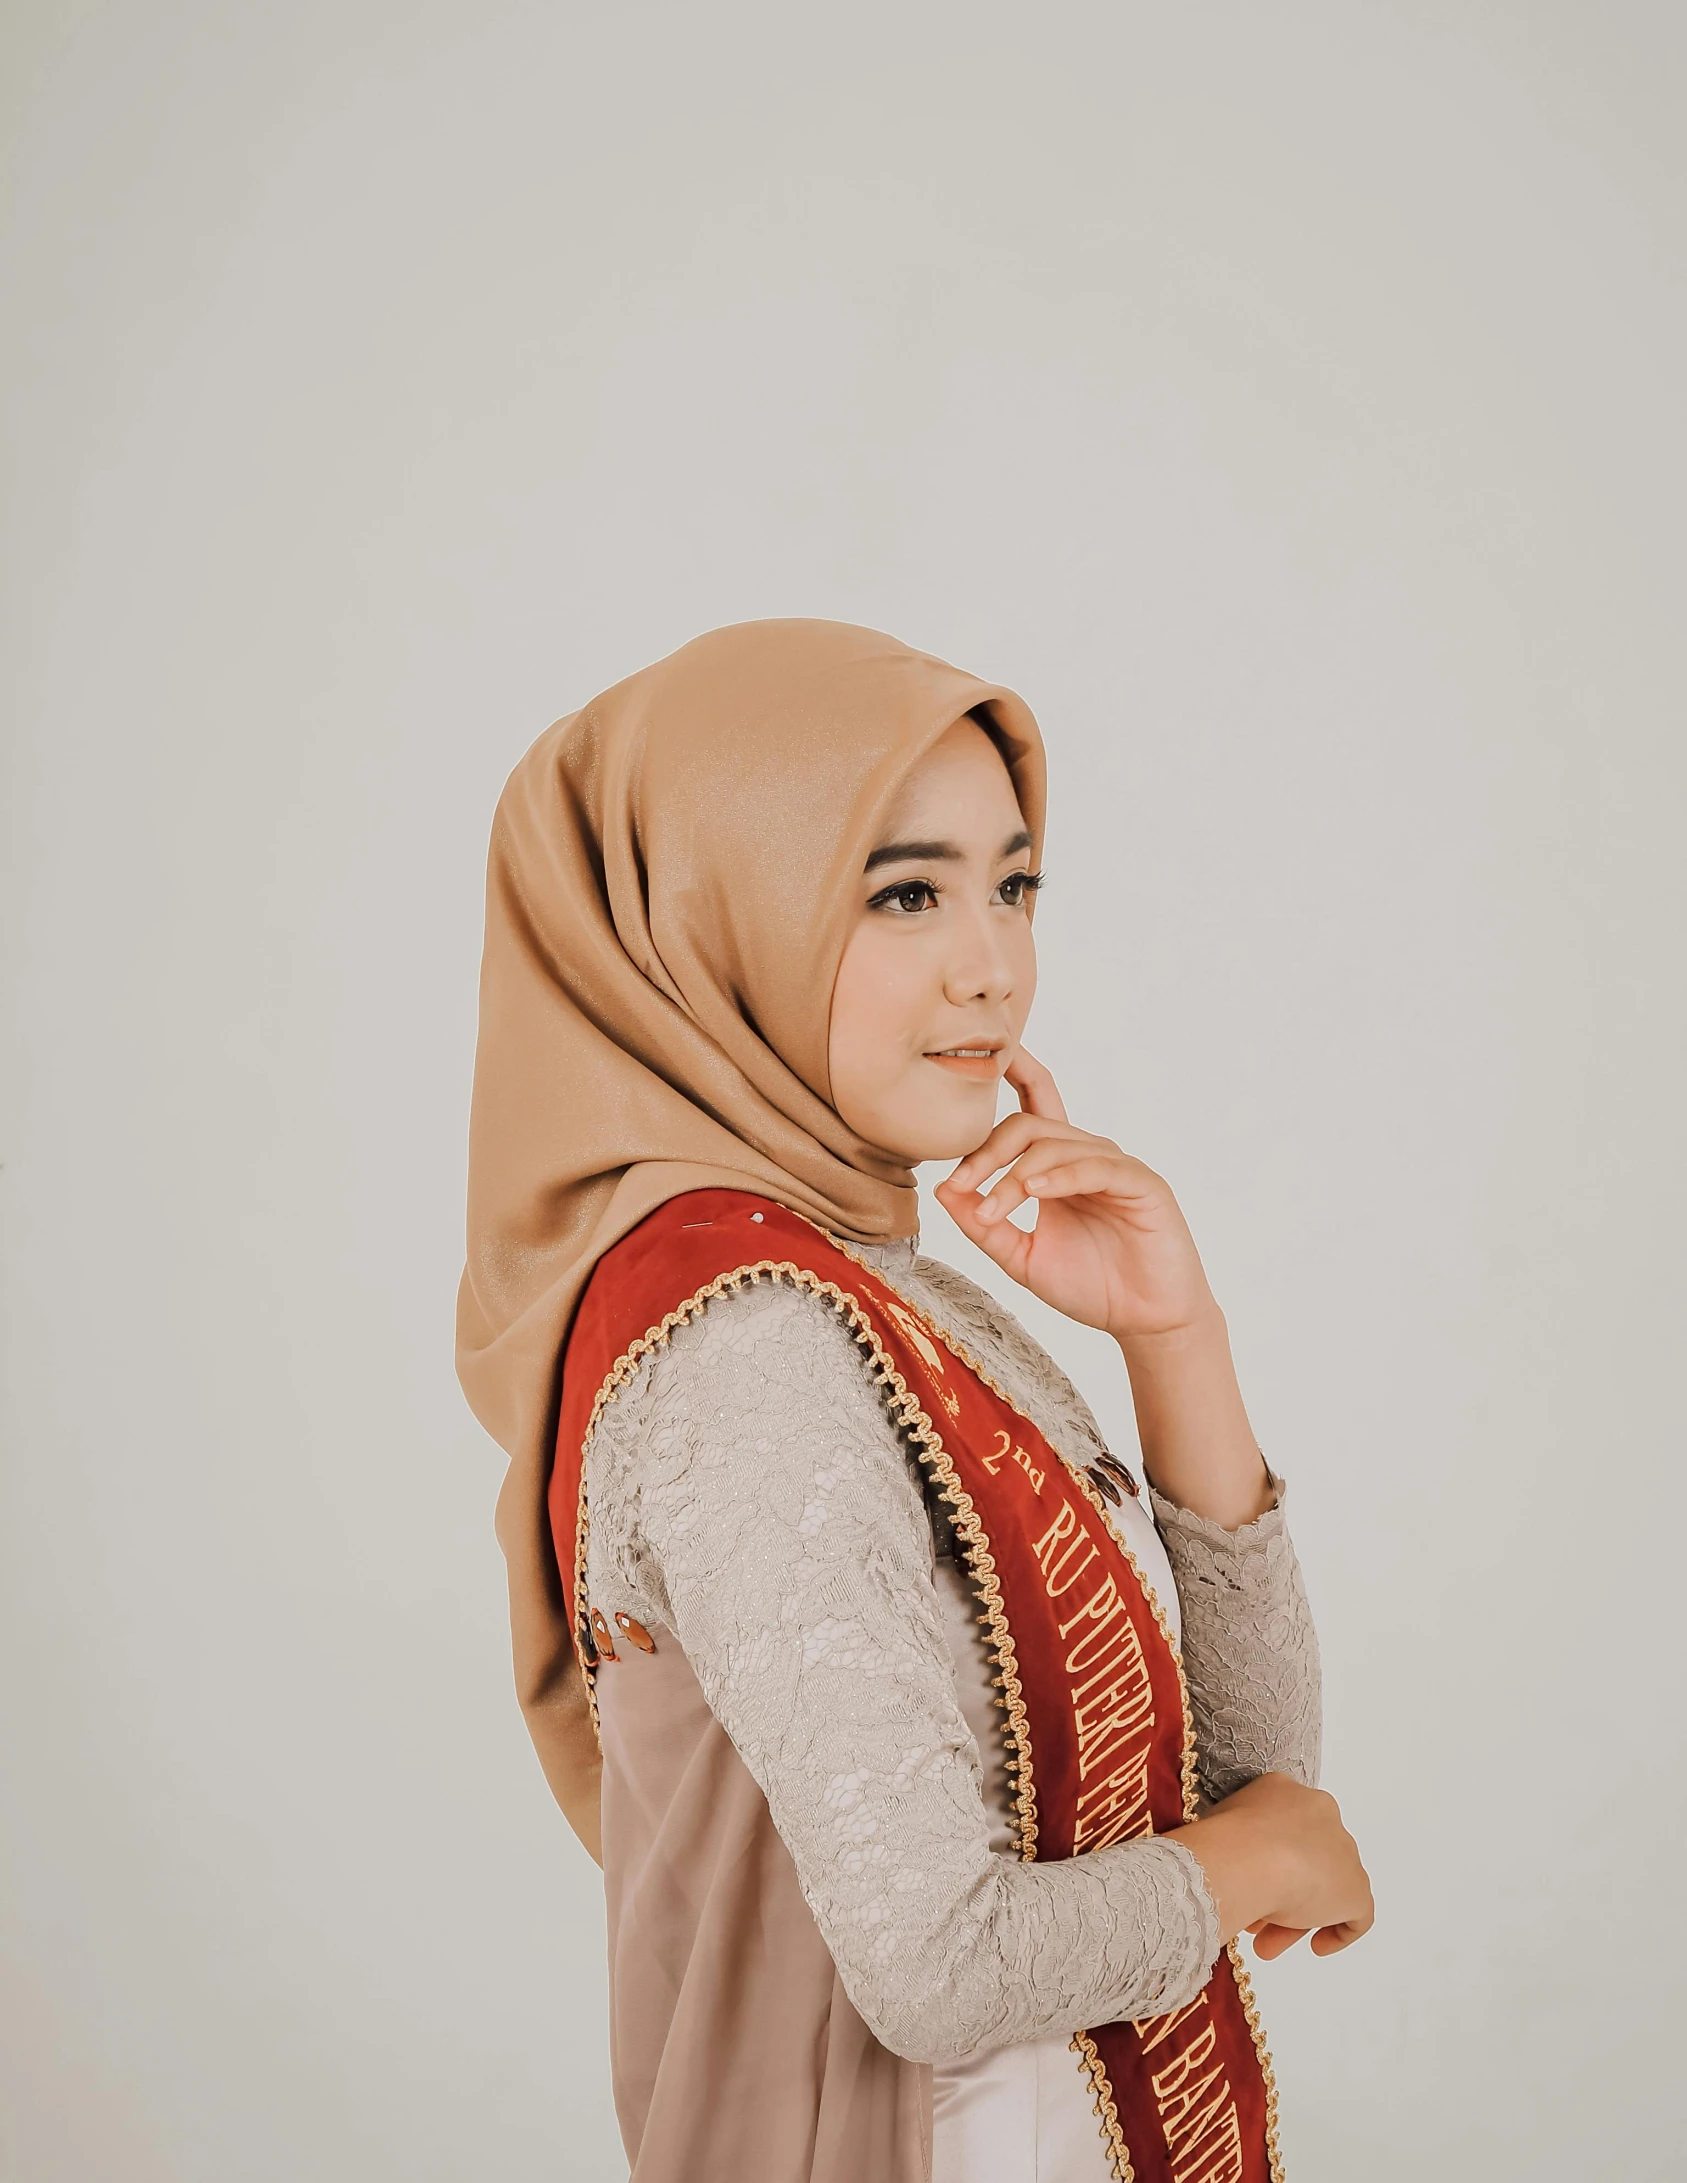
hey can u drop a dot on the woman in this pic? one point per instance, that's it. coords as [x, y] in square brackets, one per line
[846, 1645]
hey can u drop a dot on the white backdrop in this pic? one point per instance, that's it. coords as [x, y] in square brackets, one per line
[1288, 401]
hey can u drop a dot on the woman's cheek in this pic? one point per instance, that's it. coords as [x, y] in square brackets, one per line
[1025, 979]
[868, 1039]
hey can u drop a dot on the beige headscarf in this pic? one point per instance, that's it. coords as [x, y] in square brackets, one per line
[674, 871]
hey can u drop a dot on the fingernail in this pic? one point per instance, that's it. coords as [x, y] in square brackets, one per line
[990, 1209]
[1034, 1187]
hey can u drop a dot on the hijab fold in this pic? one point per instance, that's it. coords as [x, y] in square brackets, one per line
[674, 872]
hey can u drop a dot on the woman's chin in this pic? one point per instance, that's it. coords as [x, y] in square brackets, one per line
[951, 1135]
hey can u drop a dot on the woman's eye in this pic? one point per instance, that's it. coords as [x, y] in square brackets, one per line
[913, 895]
[1017, 886]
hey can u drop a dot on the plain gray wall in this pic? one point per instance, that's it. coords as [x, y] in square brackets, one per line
[1289, 401]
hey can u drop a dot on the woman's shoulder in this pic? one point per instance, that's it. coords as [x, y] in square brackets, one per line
[964, 1298]
[766, 1356]
[1007, 1351]
[974, 1317]
[759, 1417]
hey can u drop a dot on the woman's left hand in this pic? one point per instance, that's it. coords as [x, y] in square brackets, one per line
[1111, 1246]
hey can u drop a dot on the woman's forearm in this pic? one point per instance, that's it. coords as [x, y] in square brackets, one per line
[774, 1496]
[1198, 1448]
[1250, 1652]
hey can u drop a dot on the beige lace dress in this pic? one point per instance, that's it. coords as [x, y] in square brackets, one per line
[752, 1505]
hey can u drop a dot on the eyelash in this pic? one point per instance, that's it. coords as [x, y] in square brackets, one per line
[1027, 882]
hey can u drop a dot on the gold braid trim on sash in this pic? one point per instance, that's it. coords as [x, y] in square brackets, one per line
[1082, 2044]
[1106, 2108]
[1075, 1476]
[905, 1407]
[1250, 2009]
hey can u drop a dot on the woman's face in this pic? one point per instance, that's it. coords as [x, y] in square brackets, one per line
[937, 976]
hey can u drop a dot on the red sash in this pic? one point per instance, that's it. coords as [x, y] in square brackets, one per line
[1097, 1716]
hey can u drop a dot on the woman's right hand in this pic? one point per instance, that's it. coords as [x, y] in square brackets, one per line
[1279, 1863]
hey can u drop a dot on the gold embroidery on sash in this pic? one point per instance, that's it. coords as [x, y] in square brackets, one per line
[905, 1406]
[1114, 1800]
[1191, 1785]
[1109, 1688]
[1193, 2096]
[1009, 1447]
[916, 1334]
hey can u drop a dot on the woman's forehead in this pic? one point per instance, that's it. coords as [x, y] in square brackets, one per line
[959, 787]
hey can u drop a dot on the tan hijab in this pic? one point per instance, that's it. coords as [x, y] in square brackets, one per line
[673, 874]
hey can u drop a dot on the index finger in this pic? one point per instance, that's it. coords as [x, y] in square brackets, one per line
[1036, 1087]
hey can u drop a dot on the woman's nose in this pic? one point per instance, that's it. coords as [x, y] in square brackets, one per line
[980, 969]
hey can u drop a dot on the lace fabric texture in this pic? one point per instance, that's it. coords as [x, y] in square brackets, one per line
[1250, 1652]
[749, 1493]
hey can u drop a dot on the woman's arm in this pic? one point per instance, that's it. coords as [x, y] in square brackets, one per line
[1249, 1648]
[773, 1494]
[1198, 1448]
[1250, 1652]
[1111, 1248]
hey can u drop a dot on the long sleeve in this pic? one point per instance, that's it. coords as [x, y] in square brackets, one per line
[1250, 1652]
[749, 1490]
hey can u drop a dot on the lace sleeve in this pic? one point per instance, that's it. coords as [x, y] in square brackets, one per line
[1250, 1652]
[751, 1481]
[1249, 1649]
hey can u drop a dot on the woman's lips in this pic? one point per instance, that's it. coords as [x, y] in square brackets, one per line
[981, 1062]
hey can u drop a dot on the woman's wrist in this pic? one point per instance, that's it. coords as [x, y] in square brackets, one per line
[1198, 1448]
[1203, 1331]
[1239, 1862]
[1278, 1862]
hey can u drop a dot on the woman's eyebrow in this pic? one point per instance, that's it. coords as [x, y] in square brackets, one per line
[936, 852]
[913, 852]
